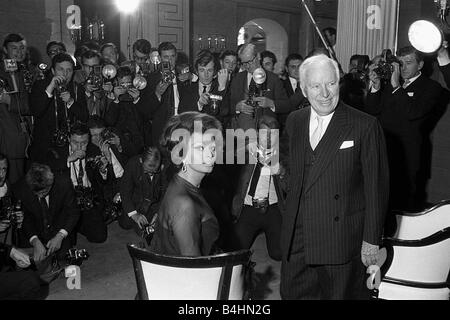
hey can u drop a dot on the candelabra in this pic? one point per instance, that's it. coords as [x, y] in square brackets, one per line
[213, 42]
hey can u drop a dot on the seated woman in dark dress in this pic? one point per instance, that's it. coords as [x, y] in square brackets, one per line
[186, 225]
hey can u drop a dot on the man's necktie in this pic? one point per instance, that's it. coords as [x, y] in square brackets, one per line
[406, 83]
[45, 211]
[255, 179]
[252, 87]
[204, 89]
[317, 134]
[297, 88]
[80, 173]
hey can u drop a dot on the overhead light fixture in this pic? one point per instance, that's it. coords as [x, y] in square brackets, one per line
[127, 6]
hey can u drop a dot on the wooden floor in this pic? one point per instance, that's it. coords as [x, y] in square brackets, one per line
[108, 273]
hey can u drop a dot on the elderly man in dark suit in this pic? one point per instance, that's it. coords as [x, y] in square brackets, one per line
[338, 192]
[405, 107]
[274, 100]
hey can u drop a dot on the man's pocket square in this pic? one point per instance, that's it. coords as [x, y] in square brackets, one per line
[346, 144]
[411, 94]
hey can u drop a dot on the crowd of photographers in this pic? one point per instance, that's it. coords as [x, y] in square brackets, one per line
[79, 138]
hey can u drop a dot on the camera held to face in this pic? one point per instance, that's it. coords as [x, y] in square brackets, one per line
[384, 68]
[95, 78]
[166, 72]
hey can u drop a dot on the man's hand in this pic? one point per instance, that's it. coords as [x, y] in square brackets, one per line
[135, 93]
[115, 140]
[78, 154]
[65, 97]
[369, 254]
[140, 219]
[222, 78]
[395, 78]
[106, 152]
[54, 244]
[39, 251]
[5, 98]
[55, 81]
[4, 225]
[21, 258]
[264, 102]
[374, 77]
[108, 87]
[203, 100]
[243, 107]
[90, 88]
[161, 88]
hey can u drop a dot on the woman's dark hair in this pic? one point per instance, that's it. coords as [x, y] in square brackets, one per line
[203, 58]
[185, 121]
[269, 54]
[62, 57]
[2, 157]
[39, 177]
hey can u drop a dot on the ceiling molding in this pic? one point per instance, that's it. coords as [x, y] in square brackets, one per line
[272, 7]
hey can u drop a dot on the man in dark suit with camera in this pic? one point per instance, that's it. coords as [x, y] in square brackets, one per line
[405, 106]
[273, 101]
[50, 211]
[55, 102]
[76, 164]
[259, 201]
[338, 192]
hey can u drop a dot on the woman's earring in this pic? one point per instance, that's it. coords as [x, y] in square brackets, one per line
[184, 168]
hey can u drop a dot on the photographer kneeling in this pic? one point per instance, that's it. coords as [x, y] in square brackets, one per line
[71, 162]
[142, 188]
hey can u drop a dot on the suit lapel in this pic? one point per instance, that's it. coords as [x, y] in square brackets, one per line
[329, 144]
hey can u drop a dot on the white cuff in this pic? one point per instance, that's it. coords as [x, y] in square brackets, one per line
[132, 213]
[32, 238]
[49, 95]
[137, 100]
[273, 109]
[199, 106]
[443, 61]
[63, 232]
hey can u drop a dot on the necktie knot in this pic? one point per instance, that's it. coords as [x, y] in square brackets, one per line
[406, 83]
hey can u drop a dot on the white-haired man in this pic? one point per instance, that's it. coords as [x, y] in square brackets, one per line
[337, 195]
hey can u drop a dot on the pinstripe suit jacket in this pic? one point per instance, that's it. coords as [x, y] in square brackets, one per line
[344, 198]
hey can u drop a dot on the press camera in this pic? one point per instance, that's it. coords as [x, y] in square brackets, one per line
[384, 68]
